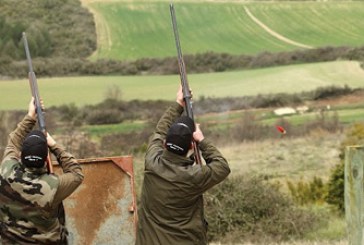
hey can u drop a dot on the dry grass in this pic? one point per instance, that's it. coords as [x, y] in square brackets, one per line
[286, 158]
[291, 159]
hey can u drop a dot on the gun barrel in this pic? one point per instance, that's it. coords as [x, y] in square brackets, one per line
[35, 93]
[182, 69]
[183, 75]
[27, 53]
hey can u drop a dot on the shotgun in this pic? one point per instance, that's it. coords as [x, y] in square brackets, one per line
[183, 75]
[35, 94]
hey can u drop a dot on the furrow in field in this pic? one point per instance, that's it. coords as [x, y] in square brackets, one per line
[273, 33]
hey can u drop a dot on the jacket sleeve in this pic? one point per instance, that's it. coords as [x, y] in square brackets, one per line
[216, 168]
[72, 175]
[16, 138]
[156, 141]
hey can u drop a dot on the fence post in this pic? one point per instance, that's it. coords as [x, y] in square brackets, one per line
[354, 195]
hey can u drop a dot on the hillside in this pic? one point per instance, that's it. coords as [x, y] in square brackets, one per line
[57, 28]
[131, 30]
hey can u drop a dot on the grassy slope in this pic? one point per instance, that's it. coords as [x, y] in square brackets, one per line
[91, 90]
[315, 23]
[131, 30]
[144, 30]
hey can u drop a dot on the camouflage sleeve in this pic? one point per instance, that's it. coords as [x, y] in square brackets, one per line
[16, 138]
[72, 175]
[216, 168]
[155, 145]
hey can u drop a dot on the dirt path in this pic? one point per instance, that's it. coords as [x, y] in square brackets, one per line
[275, 34]
[102, 29]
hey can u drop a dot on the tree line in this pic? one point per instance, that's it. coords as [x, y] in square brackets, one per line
[197, 63]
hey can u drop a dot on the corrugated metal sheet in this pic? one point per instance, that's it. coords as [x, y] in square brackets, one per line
[103, 208]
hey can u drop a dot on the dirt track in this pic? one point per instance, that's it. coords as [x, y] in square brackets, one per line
[273, 33]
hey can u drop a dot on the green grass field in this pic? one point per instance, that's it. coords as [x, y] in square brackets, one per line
[81, 91]
[136, 29]
[315, 23]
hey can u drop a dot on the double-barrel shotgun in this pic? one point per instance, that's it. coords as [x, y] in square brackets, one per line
[187, 96]
[35, 93]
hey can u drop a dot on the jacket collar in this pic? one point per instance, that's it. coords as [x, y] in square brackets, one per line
[37, 171]
[177, 159]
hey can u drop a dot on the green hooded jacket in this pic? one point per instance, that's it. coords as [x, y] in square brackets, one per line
[172, 209]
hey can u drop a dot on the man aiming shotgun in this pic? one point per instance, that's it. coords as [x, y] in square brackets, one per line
[172, 209]
[30, 195]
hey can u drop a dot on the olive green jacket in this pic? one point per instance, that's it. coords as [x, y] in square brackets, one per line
[30, 198]
[171, 209]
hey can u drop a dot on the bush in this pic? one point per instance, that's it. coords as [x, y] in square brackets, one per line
[81, 145]
[325, 121]
[119, 144]
[249, 209]
[109, 111]
[330, 91]
[100, 116]
[69, 113]
[276, 100]
[335, 195]
[249, 128]
[308, 193]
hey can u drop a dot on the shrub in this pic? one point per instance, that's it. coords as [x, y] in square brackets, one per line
[330, 91]
[80, 144]
[100, 116]
[249, 128]
[308, 192]
[69, 113]
[328, 121]
[276, 100]
[335, 195]
[119, 144]
[109, 111]
[253, 210]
